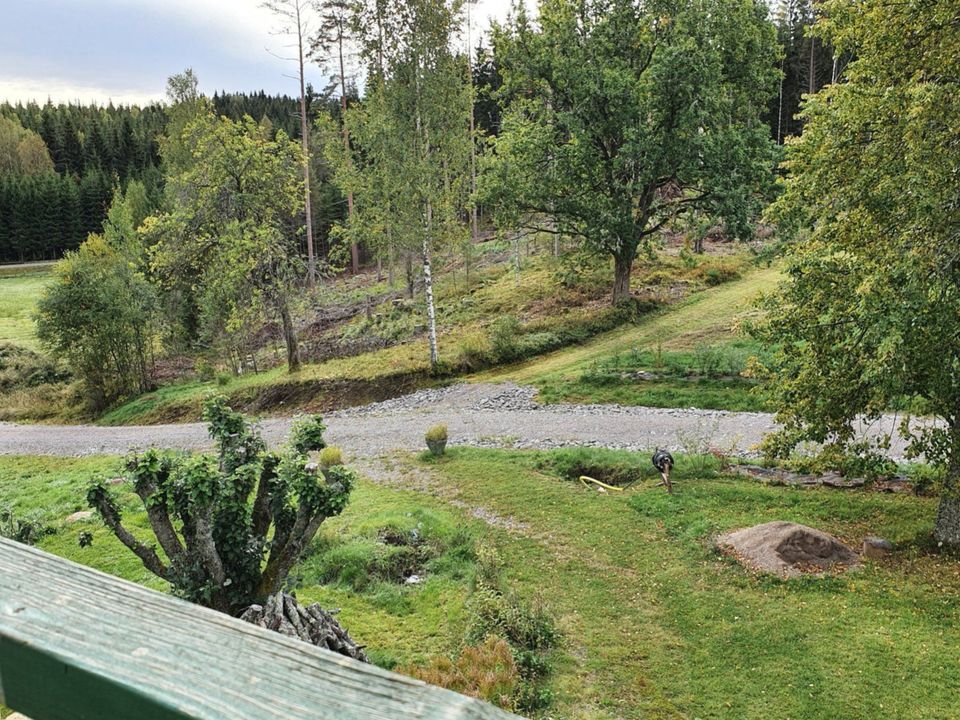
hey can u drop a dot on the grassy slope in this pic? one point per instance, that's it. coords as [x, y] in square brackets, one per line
[538, 300]
[19, 291]
[706, 318]
[656, 624]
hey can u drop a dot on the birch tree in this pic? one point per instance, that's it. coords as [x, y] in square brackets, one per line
[411, 170]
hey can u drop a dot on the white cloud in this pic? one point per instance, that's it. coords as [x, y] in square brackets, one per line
[38, 90]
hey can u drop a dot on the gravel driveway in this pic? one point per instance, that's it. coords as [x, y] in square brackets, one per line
[502, 415]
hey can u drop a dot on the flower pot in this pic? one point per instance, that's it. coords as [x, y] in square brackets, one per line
[437, 446]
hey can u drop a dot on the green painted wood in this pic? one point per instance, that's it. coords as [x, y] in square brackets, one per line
[77, 644]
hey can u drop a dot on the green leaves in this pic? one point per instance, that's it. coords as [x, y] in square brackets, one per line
[306, 435]
[869, 318]
[619, 117]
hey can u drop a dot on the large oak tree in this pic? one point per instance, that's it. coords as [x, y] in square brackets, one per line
[624, 113]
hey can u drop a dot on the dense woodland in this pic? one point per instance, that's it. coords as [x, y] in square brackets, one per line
[80, 154]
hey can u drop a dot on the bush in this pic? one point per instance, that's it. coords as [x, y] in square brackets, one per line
[98, 314]
[504, 338]
[527, 627]
[306, 435]
[245, 515]
[486, 671]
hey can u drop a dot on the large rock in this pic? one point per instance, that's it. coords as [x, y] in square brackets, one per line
[787, 549]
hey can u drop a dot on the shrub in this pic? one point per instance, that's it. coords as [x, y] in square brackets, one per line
[98, 314]
[227, 507]
[504, 338]
[486, 671]
[527, 627]
[474, 351]
[306, 435]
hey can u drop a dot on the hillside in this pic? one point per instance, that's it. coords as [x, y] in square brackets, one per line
[364, 340]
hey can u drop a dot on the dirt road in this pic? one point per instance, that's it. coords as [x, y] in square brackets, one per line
[501, 415]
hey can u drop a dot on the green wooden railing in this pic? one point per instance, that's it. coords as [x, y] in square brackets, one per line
[76, 644]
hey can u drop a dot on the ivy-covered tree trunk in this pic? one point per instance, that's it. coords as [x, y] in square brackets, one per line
[946, 529]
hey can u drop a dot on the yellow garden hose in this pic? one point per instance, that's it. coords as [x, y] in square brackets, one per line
[587, 479]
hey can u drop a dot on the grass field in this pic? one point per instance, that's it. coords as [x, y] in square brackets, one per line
[707, 321]
[543, 307]
[655, 623]
[20, 288]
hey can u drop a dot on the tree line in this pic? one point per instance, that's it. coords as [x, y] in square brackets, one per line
[60, 164]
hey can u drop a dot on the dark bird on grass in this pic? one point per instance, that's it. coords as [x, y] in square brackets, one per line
[663, 461]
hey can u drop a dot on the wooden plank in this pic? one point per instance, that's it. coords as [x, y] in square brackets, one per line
[78, 644]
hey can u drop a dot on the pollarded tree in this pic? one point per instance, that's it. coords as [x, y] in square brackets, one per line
[870, 311]
[230, 527]
[233, 229]
[623, 114]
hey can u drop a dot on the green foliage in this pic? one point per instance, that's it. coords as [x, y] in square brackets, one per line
[528, 628]
[20, 367]
[28, 529]
[390, 549]
[504, 337]
[231, 263]
[868, 314]
[331, 456]
[437, 433]
[225, 508]
[621, 116]
[98, 314]
[306, 434]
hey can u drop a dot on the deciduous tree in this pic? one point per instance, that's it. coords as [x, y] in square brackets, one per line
[623, 114]
[234, 230]
[869, 314]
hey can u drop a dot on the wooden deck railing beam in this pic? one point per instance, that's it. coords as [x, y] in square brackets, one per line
[78, 644]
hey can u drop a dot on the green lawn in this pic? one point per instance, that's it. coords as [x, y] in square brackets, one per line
[19, 292]
[706, 322]
[656, 624]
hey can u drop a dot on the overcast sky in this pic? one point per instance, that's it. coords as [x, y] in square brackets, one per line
[123, 50]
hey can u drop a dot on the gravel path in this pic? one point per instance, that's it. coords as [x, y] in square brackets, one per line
[485, 415]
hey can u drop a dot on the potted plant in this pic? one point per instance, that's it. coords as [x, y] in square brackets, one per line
[330, 457]
[437, 439]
